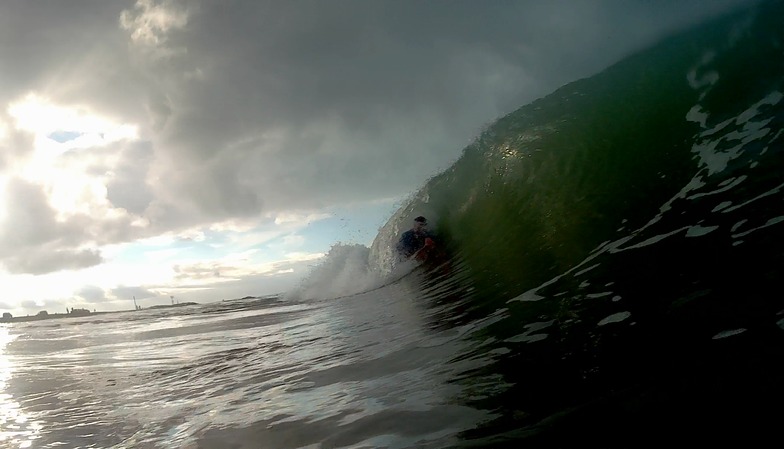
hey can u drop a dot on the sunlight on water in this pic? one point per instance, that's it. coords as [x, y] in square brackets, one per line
[16, 428]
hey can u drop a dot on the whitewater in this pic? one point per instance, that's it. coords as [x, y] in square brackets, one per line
[608, 275]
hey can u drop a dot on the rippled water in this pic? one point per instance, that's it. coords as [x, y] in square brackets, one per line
[360, 372]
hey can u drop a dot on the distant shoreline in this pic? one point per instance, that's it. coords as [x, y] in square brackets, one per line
[84, 312]
[52, 316]
[169, 306]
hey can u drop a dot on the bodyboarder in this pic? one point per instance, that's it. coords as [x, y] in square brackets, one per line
[416, 243]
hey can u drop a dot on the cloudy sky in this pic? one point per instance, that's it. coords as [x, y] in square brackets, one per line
[210, 149]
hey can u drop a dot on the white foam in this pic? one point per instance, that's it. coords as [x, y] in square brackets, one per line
[708, 78]
[539, 325]
[697, 231]
[773, 191]
[654, 239]
[722, 205]
[581, 272]
[615, 318]
[725, 186]
[728, 333]
[716, 159]
[738, 225]
[598, 295]
[696, 115]
[528, 296]
[343, 271]
[771, 222]
[526, 338]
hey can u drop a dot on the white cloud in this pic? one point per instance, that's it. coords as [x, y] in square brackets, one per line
[3, 130]
[293, 241]
[124, 292]
[299, 256]
[41, 117]
[150, 22]
[234, 267]
[91, 294]
[299, 218]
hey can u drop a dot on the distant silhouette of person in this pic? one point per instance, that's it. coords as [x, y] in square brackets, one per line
[416, 243]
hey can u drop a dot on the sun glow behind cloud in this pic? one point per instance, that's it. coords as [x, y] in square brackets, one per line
[73, 157]
[39, 116]
[71, 185]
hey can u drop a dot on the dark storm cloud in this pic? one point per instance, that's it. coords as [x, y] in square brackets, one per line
[73, 51]
[128, 187]
[310, 102]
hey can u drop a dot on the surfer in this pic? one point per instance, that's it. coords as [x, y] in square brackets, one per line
[416, 243]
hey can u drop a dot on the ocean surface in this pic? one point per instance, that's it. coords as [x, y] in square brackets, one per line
[608, 274]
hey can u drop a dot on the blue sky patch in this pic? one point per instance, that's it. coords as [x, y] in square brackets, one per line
[64, 136]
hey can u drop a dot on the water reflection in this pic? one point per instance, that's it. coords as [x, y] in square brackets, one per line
[17, 430]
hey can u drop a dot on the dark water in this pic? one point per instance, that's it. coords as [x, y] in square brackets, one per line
[608, 276]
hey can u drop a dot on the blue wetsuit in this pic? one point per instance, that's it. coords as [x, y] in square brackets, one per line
[411, 242]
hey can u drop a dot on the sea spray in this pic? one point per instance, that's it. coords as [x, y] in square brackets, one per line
[343, 271]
